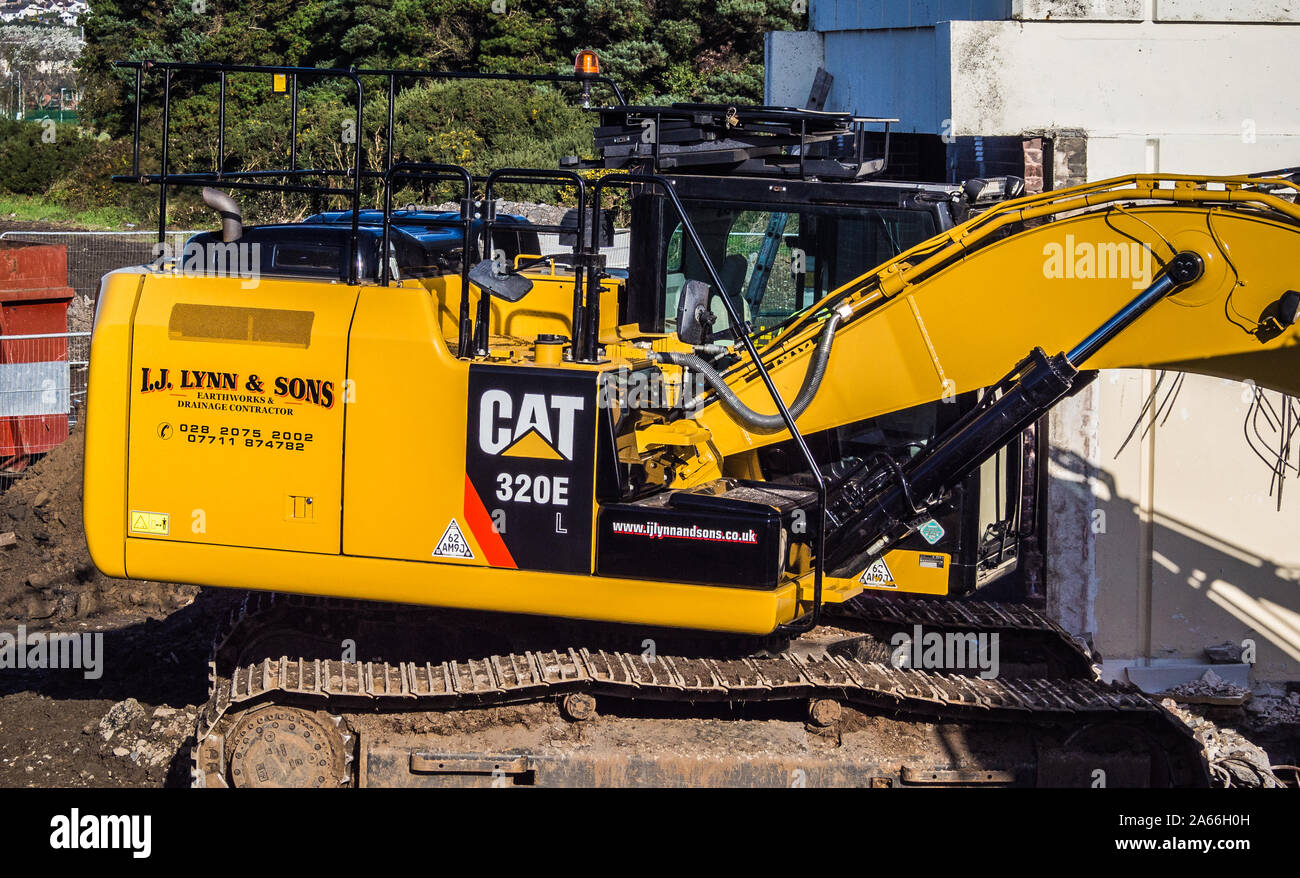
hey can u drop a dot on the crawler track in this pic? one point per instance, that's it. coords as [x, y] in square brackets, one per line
[1055, 711]
[1031, 644]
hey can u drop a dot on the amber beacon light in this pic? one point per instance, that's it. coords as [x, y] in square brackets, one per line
[586, 64]
[586, 67]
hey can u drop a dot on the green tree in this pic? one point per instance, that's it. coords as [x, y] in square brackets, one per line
[684, 49]
[35, 153]
[657, 50]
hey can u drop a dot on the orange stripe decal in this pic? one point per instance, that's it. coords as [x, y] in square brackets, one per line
[480, 524]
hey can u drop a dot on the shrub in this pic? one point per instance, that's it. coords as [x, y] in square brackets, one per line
[89, 184]
[34, 154]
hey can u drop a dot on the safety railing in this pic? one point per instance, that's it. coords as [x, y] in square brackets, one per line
[289, 180]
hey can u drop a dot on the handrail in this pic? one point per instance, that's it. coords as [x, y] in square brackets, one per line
[246, 179]
[527, 175]
[435, 171]
[164, 179]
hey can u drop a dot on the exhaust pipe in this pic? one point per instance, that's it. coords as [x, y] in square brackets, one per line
[232, 222]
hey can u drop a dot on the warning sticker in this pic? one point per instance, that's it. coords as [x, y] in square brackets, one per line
[932, 531]
[154, 523]
[878, 575]
[453, 543]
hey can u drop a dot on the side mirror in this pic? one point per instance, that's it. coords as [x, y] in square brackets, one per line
[1279, 316]
[509, 286]
[693, 315]
[1288, 308]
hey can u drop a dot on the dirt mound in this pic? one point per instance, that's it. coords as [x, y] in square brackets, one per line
[1210, 685]
[46, 575]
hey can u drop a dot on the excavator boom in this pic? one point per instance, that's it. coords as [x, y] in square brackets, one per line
[952, 314]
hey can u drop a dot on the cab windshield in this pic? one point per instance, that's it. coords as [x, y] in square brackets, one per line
[775, 264]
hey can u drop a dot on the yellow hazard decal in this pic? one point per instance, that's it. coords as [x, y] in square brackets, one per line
[155, 523]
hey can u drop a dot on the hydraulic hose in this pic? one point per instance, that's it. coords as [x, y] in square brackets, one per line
[760, 423]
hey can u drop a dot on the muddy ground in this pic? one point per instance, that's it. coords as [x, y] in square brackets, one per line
[126, 727]
[130, 727]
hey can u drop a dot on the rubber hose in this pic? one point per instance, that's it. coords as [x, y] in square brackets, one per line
[759, 423]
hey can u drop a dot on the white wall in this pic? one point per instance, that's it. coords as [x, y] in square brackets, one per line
[1180, 154]
[1212, 97]
[1174, 543]
[1123, 80]
[831, 15]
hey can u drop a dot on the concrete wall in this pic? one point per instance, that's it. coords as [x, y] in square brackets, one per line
[832, 15]
[1197, 90]
[1200, 97]
[1176, 542]
[790, 59]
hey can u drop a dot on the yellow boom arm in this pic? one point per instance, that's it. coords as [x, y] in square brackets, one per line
[954, 313]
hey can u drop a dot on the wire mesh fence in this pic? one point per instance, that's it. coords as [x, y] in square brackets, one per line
[44, 376]
[616, 255]
[91, 255]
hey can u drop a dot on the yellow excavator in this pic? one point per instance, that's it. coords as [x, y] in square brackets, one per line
[513, 520]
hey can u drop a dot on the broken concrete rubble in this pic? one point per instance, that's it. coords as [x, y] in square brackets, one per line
[1234, 761]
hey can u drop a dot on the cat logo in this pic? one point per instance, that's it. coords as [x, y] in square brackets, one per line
[530, 452]
[538, 425]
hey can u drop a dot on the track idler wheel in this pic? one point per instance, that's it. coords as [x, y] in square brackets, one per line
[278, 746]
[578, 706]
[824, 712]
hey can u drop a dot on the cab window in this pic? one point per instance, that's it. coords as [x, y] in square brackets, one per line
[774, 264]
